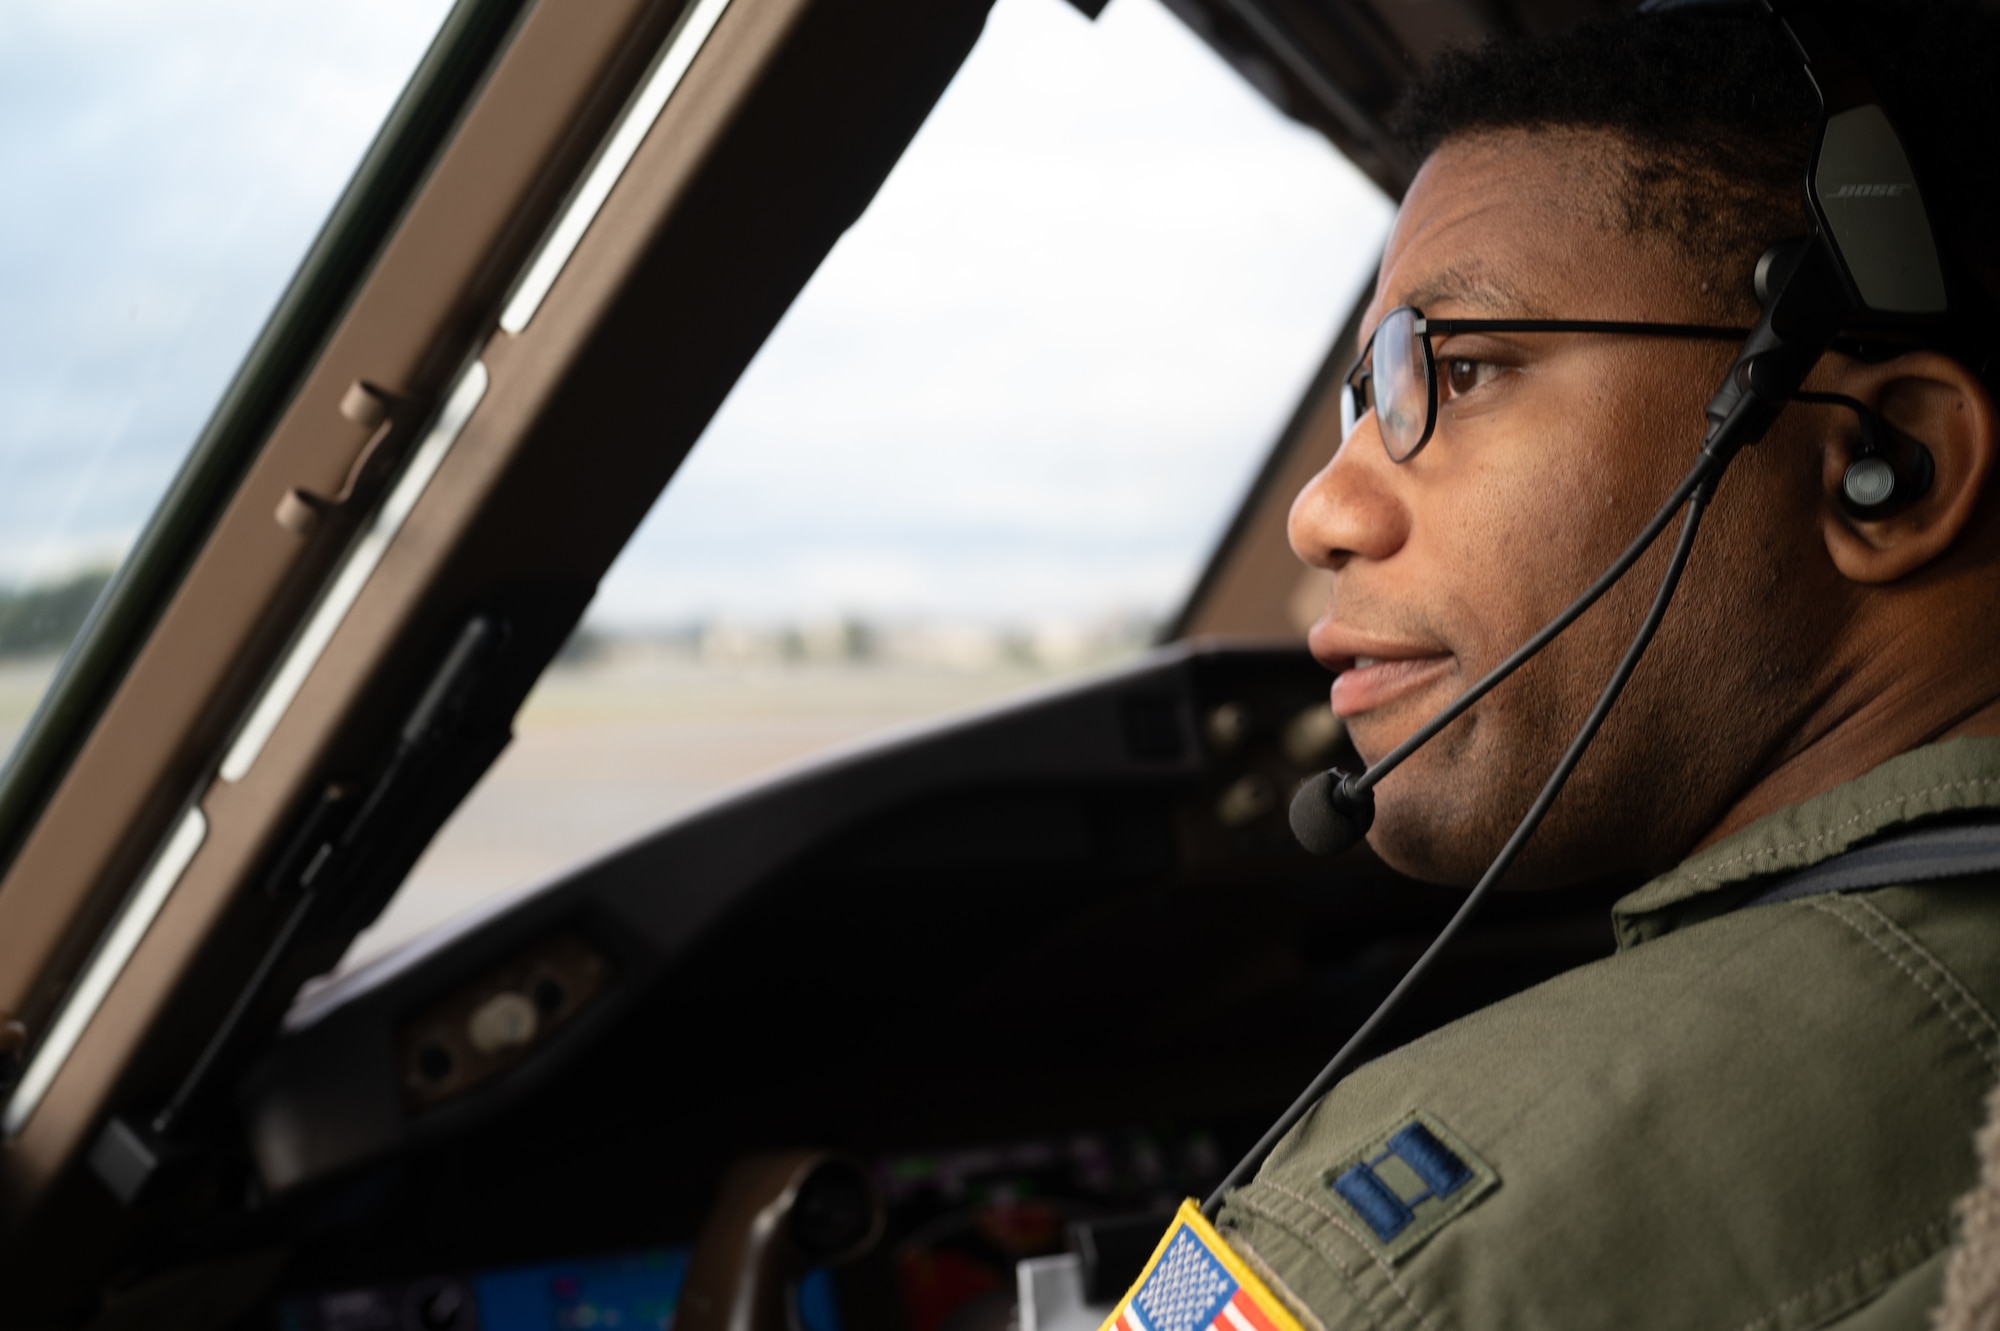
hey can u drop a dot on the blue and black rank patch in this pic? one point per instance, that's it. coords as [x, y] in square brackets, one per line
[1408, 1183]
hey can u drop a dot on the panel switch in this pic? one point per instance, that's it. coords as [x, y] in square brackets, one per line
[504, 1021]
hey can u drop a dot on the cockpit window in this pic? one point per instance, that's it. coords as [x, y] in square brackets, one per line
[992, 443]
[166, 168]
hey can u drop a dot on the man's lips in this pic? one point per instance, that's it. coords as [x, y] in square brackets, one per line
[1372, 672]
[1367, 683]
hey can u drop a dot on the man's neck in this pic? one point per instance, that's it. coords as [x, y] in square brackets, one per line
[1860, 738]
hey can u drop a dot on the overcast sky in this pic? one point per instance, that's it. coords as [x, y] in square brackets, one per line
[166, 163]
[1031, 383]
[1035, 378]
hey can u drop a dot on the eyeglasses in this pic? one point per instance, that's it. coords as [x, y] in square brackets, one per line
[1396, 374]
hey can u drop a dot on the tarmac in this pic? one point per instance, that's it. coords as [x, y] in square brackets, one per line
[605, 753]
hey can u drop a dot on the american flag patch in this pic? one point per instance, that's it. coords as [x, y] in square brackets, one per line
[1196, 1282]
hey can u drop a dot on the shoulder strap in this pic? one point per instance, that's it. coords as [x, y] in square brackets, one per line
[1926, 855]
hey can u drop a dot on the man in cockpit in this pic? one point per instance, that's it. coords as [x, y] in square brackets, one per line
[1755, 1114]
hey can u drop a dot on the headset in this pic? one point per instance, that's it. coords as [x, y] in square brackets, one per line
[1871, 267]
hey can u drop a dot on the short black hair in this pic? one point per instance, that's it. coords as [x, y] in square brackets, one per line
[1715, 108]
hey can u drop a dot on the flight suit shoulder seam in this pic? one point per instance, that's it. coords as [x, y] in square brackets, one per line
[1862, 815]
[1277, 1283]
[1970, 999]
[1388, 1274]
[1933, 1236]
[1984, 1048]
[1247, 1201]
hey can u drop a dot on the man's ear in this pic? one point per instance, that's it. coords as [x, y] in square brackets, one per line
[1922, 399]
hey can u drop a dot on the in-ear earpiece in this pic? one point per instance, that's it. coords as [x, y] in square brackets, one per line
[1878, 483]
[1869, 488]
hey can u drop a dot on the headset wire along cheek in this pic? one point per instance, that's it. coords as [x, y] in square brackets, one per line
[1863, 270]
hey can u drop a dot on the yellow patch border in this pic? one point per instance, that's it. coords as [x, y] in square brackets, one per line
[1190, 1217]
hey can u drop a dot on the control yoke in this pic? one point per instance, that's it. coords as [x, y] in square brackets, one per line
[777, 1217]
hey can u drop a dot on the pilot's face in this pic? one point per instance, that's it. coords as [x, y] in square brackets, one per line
[1550, 452]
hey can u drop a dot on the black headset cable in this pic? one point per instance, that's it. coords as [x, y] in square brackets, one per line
[1425, 733]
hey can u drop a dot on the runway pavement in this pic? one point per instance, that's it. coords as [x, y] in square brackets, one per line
[603, 755]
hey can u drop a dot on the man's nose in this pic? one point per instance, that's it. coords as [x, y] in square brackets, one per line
[1351, 509]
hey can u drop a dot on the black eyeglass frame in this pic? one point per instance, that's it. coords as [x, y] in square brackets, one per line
[1362, 370]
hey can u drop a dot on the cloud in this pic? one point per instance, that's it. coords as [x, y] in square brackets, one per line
[1043, 367]
[167, 167]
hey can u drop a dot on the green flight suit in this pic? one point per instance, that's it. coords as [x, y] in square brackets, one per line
[1747, 1118]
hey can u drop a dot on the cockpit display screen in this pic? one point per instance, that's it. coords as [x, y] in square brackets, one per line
[632, 1291]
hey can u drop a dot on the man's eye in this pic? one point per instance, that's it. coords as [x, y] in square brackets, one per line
[1462, 375]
